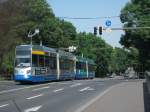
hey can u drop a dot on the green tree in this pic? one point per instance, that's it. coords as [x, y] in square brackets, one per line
[18, 18]
[136, 14]
[95, 48]
[119, 60]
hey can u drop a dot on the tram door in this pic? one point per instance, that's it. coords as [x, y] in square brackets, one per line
[38, 64]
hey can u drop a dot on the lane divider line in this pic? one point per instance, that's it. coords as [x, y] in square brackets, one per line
[36, 96]
[90, 89]
[37, 89]
[84, 89]
[1, 106]
[57, 90]
[63, 83]
[33, 109]
[75, 85]
[26, 87]
[82, 108]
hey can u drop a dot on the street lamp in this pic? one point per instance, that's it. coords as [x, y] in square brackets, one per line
[72, 48]
[30, 35]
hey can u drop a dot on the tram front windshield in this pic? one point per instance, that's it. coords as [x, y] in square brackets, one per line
[22, 62]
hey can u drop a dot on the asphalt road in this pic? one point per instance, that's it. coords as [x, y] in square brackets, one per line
[65, 96]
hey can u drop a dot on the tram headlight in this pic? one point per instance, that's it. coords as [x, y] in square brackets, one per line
[28, 71]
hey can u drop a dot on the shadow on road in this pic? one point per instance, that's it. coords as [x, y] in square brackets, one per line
[146, 98]
[31, 83]
[37, 83]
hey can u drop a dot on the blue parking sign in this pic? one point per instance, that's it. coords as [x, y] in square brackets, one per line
[108, 23]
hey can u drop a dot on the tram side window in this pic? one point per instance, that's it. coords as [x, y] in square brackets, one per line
[41, 60]
[84, 66]
[35, 60]
[71, 65]
[64, 64]
[52, 62]
[68, 65]
[47, 61]
[81, 65]
[78, 65]
[91, 68]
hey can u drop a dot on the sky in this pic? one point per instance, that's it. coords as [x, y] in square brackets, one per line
[92, 9]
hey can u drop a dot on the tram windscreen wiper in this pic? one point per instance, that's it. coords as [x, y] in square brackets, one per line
[22, 65]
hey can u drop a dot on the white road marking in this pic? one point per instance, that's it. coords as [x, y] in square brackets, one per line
[80, 109]
[57, 90]
[1, 106]
[86, 89]
[63, 83]
[75, 85]
[34, 97]
[37, 89]
[33, 109]
[26, 87]
[90, 89]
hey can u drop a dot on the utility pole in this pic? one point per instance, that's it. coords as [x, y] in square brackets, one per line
[128, 28]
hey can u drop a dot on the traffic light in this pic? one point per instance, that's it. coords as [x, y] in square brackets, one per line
[100, 30]
[95, 30]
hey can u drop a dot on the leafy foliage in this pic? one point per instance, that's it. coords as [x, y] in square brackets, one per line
[136, 14]
[19, 17]
[119, 60]
[95, 48]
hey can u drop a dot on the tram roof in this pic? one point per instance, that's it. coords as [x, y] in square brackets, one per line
[62, 53]
[82, 59]
[43, 48]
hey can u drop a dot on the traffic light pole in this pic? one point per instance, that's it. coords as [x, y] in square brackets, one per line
[128, 28]
[101, 29]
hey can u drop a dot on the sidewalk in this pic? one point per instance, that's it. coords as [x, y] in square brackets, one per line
[125, 97]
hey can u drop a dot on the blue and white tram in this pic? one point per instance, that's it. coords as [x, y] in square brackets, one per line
[39, 64]
[91, 68]
[85, 68]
